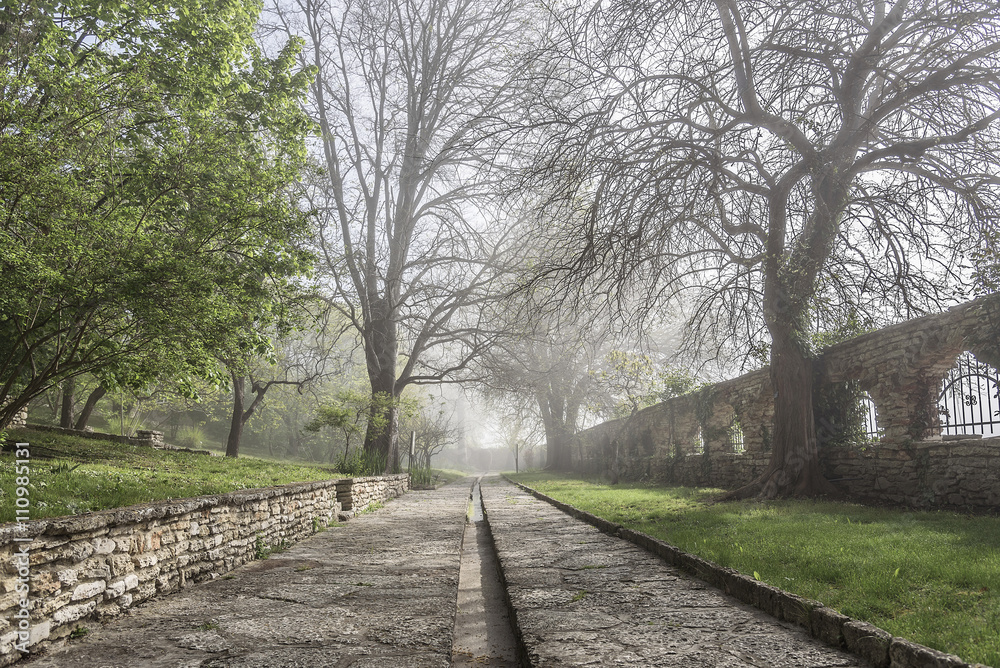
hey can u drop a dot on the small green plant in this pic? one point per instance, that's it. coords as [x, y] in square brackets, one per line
[304, 567]
[260, 549]
[421, 477]
[79, 632]
[62, 466]
[372, 507]
[318, 525]
[209, 626]
[578, 596]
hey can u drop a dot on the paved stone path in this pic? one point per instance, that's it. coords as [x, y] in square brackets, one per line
[379, 591]
[583, 598]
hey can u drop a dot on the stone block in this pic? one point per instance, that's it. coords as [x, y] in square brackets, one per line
[94, 571]
[869, 642]
[72, 613]
[7, 642]
[737, 585]
[39, 631]
[67, 576]
[104, 545]
[145, 560]
[88, 590]
[907, 654]
[120, 564]
[114, 590]
[795, 609]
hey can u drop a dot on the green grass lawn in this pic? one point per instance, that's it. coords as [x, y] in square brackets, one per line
[71, 475]
[931, 577]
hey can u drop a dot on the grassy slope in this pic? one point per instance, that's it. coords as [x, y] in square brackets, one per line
[112, 475]
[932, 577]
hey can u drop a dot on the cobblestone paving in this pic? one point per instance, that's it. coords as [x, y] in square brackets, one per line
[379, 591]
[583, 598]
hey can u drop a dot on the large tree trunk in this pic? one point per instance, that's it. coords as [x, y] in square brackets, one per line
[237, 422]
[558, 428]
[793, 469]
[794, 466]
[382, 433]
[88, 408]
[68, 397]
[382, 348]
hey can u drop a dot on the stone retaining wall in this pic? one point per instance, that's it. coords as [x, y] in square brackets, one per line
[695, 439]
[93, 566]
[153, 439]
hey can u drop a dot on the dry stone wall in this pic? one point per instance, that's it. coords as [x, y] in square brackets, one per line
[720, 436]
[149, 438]
[93, 566]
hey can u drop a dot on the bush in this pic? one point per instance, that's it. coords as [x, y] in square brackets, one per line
[189, 437]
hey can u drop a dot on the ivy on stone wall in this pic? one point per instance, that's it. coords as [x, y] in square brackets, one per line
[839, 415]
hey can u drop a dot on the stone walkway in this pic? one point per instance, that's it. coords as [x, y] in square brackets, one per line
[583, 598]
[379, 591]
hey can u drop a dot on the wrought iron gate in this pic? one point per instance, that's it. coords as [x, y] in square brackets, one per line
[969, 402]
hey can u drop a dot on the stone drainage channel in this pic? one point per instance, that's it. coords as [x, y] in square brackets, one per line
[483, 632]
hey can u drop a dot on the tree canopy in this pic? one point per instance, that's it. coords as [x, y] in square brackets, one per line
[145, 153]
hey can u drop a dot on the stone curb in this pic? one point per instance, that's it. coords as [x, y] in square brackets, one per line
[878, 647]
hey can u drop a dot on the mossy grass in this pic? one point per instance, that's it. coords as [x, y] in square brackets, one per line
[931, 577]
[72, 475]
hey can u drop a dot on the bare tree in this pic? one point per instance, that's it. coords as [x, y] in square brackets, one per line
[544, 364]
[404, 92]
[781, 164]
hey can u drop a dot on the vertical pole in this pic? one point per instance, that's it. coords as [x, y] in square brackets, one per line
[413, 447]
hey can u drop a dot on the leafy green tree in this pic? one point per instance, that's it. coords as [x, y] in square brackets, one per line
[145, 152]
[352, 413]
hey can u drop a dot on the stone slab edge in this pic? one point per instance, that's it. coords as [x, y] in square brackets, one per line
[878, 647]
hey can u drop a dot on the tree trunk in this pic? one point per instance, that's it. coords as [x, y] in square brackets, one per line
[236, 424]
[88, 408]
[66, 410]
[793, 469]
[381, 435]
[557, 430]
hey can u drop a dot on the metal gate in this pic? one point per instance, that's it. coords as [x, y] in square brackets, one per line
[969, 402]
[869, 418]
